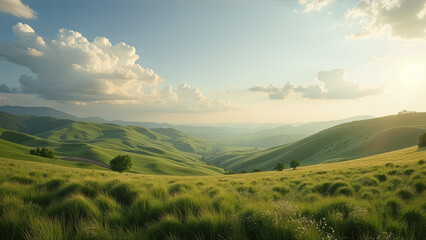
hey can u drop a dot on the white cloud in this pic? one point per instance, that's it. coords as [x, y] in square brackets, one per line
[275, 92]
[334, 84]
[314, 5]
[73, 69]
[377, 59]
[402, 19]
[337, 86]
[189, 98]
[17, 9]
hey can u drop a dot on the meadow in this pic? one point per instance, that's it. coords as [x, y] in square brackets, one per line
[376, 197]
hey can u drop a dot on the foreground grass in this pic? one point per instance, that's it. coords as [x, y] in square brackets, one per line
[378, 197]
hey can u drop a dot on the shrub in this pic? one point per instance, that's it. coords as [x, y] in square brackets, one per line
[280, 166]
[420, 162]
[121, 163]
[257, 170]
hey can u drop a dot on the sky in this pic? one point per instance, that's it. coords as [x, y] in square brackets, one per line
[215, 61]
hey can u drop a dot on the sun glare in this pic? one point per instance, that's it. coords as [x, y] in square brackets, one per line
[412, 74]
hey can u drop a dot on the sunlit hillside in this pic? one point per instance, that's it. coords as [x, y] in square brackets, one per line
[340, 143]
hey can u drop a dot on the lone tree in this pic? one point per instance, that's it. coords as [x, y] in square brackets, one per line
[294, 163]
[121, 163]
[279, 167]
[422, 140]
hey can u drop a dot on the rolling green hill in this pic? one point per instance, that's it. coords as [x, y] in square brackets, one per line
[156, 151]
[340, 143]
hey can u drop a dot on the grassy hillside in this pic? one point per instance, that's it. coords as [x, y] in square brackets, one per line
[340, 143]
[376, 197]
[157, 151]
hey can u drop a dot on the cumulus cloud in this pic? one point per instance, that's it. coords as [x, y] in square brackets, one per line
[314, 5]
[73, 69]
[5, 89]
[275, 92]
[402, 19]
[334, 84]
[337, 86]
[17, 9]
[186, 97]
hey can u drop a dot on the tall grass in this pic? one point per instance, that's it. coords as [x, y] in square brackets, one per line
[335, 201]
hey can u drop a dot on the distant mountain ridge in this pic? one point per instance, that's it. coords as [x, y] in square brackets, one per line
[265, 136]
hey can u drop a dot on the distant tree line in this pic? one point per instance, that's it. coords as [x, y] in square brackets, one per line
[405, 112]
[43, 152]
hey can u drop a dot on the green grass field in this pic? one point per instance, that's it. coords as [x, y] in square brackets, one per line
[377, 197]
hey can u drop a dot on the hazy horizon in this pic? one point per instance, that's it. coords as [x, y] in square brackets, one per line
[215, 62]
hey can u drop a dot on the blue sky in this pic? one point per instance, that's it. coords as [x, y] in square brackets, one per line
[234, 59]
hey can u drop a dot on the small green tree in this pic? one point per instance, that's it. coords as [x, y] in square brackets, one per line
[44, 152]
[280, 166]
[294, 163]
[422, 140]
[257, 170]
[50, 154]
[121, 163]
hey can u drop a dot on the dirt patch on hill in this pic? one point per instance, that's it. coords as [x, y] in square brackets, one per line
[87, 160]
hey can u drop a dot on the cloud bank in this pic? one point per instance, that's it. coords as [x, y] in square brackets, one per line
[5, 89]
[314, 5]
[334, 84]
[17, 9]
[71, 68]
[402, 19]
